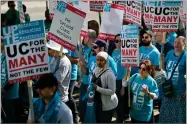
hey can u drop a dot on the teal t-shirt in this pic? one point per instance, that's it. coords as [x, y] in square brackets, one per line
[116, 55]
[151, 54]
[178, 80]
[74, 66]
[142, 105]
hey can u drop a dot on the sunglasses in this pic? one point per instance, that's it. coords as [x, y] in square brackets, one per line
[143, 69]
[117, 41]
[146, 37]
[95, 47]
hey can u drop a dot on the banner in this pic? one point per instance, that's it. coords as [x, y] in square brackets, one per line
[130, 45]
[84, 6]
[26, 52]
[21, 13]
[112, 20]
[66, 25]
[133, 12]
[148, 12]
[97, 6]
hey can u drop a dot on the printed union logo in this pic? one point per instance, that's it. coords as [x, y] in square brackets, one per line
[107, 7]
[61, 6]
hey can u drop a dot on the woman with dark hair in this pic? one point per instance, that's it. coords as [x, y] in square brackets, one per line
[143, 89]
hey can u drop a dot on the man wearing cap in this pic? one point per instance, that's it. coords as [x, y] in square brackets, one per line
[49, 108]
[61, 68]
[148, 51]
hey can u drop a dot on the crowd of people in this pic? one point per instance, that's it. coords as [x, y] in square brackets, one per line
[106, 87]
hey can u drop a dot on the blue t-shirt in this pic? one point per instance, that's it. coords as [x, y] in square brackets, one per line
[87, 53]
[92, 65]
[178, 80]
[151, 54]
[142, 104]
[74, 68]
[116, 55]
[13, 91]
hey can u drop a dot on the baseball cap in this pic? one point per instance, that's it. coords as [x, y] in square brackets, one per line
[92, 34]
[46, 80]
[99, 43]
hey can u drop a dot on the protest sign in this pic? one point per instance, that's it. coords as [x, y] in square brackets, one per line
[97, 6]
[66, 26]
[148, 11]
[123, 3]
[52, 7]
[84, 6]
[133, 12]
[182, 16]
[26, 52]
[112, 20]
[165, 19]
[129, 45]
[21, 13]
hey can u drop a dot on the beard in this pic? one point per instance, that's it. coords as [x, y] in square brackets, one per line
[145, 43]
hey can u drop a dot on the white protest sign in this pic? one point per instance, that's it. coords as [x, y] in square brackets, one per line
[123, 3]
[130, 45]
[97, 6]
[133, 12]
[26, 52]
[84, 6]
[52, 7]
[21, 13]
[112, 20]
[66, 26]
[182, 16]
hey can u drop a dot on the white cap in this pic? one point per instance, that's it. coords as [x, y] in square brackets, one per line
[55, 46]
[103, 55]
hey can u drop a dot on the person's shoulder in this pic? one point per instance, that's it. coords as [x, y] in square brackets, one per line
[170, 53]
[64, 111]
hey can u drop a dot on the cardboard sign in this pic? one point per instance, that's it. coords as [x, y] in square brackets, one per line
[148, 12]
[84, 6]
[133, 12]
[130, 45]
[97, 6]
[112, 19]
[166, 19]
[26, 52]
[66, 26]
[21, 13]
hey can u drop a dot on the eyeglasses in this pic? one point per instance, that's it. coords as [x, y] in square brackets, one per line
[143, 69]
[95, 47]
[117, 41]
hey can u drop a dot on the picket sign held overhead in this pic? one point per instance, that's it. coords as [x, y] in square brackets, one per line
[166, 16]
[133, 12]
[130, 45]
[66, 25]
[26, 53]
[112, 20]
[97, 6]
[21, 13]
[84, 6]
[182, 15]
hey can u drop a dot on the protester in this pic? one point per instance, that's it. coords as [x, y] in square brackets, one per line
[87, 53]
[61, 68]
[47, 21]
[105, 98]
[9, 93]
[143, 89]
[49, 108]
[173, 109]
[122, 108]
[27, 17]
[74, 68]
[12, 14]
[162, 46]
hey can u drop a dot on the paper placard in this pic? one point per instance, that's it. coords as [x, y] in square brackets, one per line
[97, 6]
[112, 20]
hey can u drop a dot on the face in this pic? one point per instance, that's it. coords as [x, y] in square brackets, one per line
[143, 71]
[95, 50]
[146, 39]
[101, 62]
[47, 92]
[179, 44]
[86, 40]
[158, 37]
[12, 6]
[118, 42]
[50, 52]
